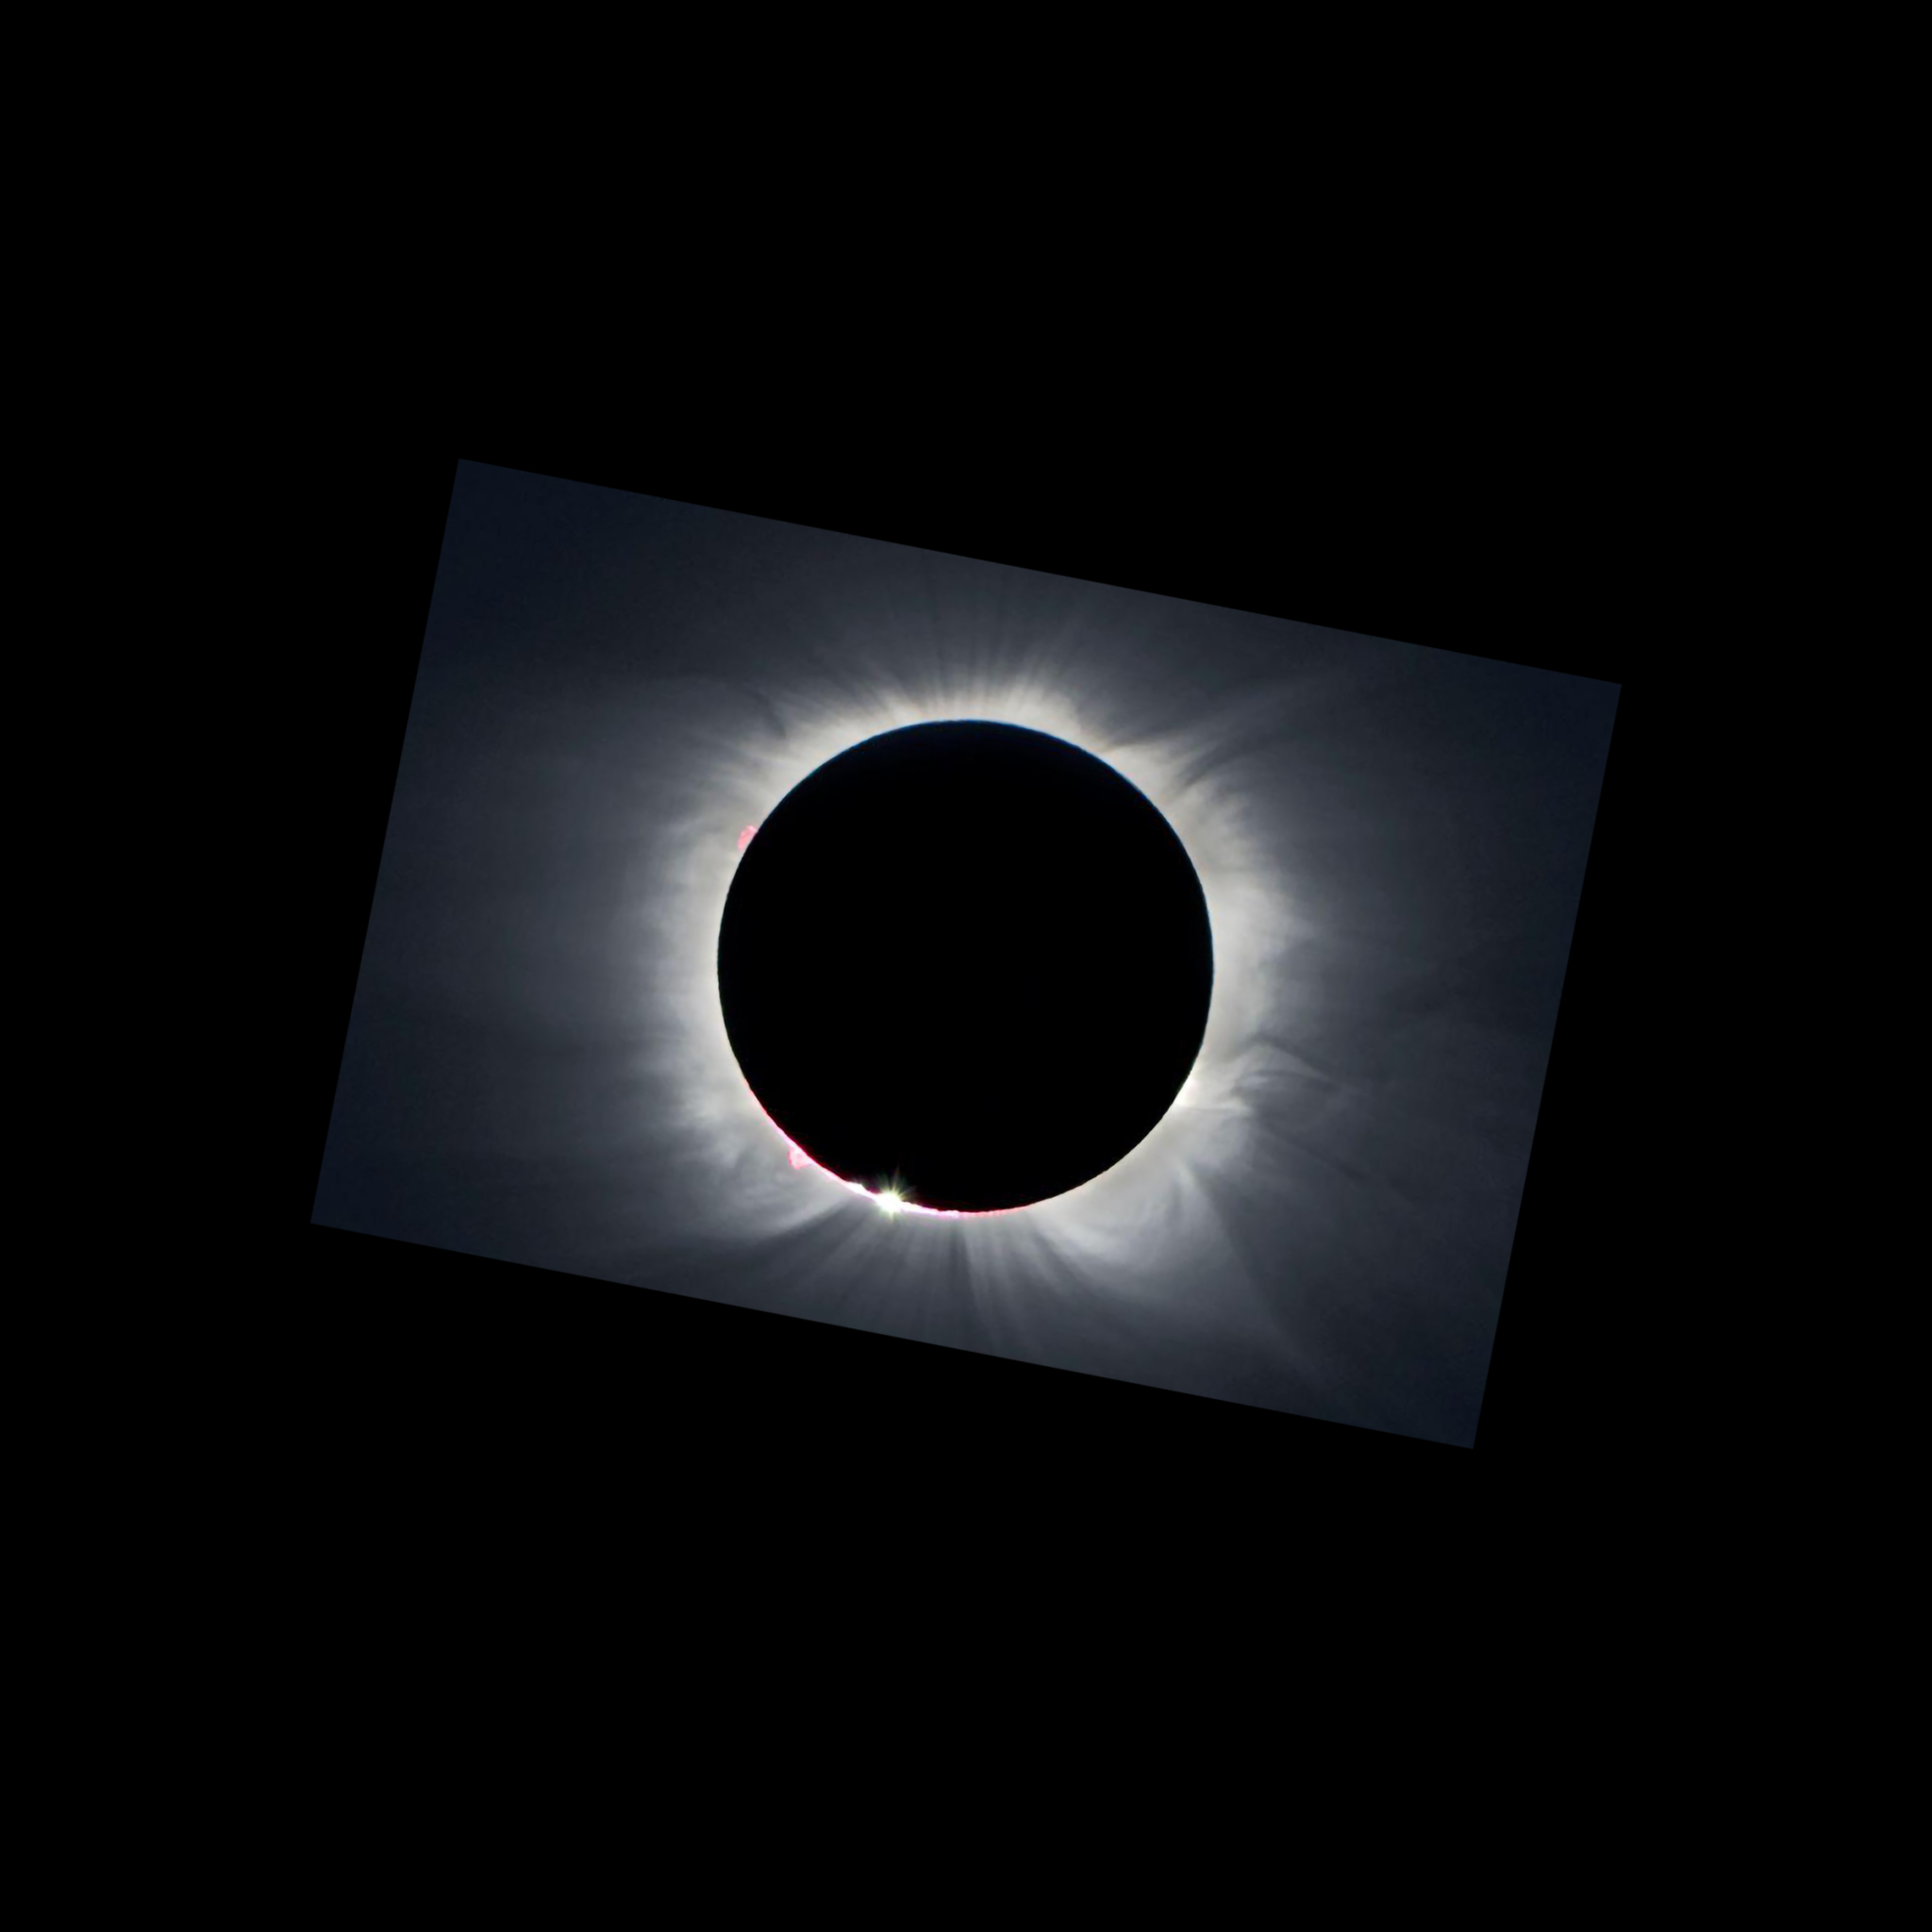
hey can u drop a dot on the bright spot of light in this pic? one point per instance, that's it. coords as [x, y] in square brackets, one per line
[745, 836]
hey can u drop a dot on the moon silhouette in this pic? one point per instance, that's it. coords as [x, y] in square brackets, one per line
[965, 965]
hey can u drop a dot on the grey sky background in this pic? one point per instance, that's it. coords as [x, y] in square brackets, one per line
[1392, 838]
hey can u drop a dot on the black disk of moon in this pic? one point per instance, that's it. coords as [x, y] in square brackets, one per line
[967, 963]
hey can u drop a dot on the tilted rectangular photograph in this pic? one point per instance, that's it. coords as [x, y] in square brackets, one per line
[1008, 963]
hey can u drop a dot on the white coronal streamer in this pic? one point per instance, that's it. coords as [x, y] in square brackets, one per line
[1146, 1227]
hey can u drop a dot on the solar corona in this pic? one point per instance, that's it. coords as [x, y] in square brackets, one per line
[964, 966]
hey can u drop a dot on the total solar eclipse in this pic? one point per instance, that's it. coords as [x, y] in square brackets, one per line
[966, 964]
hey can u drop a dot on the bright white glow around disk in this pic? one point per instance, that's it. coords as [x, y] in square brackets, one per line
[1150, 1220]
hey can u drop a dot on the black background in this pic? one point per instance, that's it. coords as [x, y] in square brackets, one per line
[446, 1362]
